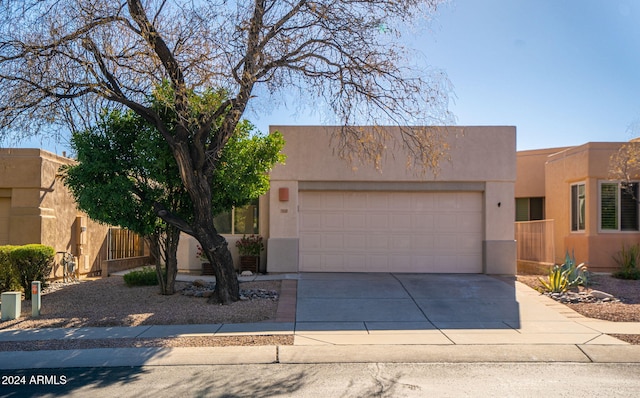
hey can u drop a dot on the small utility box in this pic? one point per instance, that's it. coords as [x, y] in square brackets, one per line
[11, 305]
[35, 299]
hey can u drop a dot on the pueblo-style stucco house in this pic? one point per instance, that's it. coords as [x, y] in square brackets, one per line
[570, 188]
[36, 207]
[323, 214]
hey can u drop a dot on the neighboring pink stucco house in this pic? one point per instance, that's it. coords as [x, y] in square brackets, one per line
[323, 214]
[592, 216]
[36, 207]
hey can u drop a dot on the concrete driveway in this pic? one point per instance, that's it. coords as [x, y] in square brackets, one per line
[382, 308]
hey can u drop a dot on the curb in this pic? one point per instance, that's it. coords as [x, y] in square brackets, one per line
[109, 357]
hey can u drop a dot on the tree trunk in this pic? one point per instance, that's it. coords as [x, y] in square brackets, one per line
[214, 246]
[164, 247]
[227, 289]
[171, 240]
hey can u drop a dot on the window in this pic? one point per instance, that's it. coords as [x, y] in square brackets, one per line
[238, 221]
[578, 210]
[619, 206]
[529, 209]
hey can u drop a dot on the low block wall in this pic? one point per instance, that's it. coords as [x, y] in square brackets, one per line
[123, 264]
[533, 267]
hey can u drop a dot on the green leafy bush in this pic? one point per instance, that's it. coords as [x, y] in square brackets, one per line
[147, 276]
[628, 259]
[8, 277]
[32, 263]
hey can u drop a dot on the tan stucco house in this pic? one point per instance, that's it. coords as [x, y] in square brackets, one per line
[36, 207]
[323, 214]
[592, 216]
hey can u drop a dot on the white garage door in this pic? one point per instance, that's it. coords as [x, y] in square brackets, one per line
[345, 231]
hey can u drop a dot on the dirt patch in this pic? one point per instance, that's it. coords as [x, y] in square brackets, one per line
[203, 341]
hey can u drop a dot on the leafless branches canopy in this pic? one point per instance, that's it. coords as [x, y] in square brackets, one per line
[624, 165]
[63, 60]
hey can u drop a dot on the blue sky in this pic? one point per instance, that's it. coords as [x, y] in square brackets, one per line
[564, 72]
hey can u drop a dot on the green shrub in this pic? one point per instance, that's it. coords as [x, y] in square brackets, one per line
[32, 263]
[628, 259]
[8, 277]
[147, 276]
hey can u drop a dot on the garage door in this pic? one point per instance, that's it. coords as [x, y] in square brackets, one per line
[5, 206]
[345, 231]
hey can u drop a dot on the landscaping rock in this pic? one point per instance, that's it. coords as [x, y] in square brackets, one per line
[201, 288]
[582, 297]
[601, 295]
[199, 283]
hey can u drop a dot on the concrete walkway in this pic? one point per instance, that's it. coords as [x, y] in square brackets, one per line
[368, 318]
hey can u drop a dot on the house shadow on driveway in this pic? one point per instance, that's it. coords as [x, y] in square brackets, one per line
[384, 302]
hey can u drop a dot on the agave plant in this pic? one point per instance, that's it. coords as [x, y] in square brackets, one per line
[557, 281]
[576, 274]
[565, 276]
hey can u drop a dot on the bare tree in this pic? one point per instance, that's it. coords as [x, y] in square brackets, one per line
[624, 165]
[63, 60]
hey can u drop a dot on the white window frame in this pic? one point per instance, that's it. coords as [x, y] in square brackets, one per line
[577, 204]
[618, 208]
[233, 219]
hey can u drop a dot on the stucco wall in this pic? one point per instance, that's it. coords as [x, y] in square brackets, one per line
[588, 163]
[188, 262]
[530, 172]
[481, 158]
[42, 209]
[477, 154]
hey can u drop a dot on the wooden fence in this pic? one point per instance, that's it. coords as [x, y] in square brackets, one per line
[535, 241]
[123, 243]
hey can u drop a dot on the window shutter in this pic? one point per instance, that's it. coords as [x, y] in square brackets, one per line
[522, 209]
[609, 206]
[574, 210]
[629, 207]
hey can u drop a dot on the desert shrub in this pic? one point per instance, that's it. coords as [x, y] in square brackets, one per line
[147, 276]
[628, 259]
[576, 274]
[565, 276]
[557, 281]
[32, 263]
[8, 277]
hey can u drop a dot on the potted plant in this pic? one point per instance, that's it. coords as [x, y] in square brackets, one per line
[207, 268]
[249, 248]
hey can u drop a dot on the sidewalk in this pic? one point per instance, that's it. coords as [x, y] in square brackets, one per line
[546, 332]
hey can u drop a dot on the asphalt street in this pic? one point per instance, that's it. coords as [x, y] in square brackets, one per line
[333, 380]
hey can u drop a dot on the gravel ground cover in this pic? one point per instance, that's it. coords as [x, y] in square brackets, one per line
[110, 302]
[625, 309]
